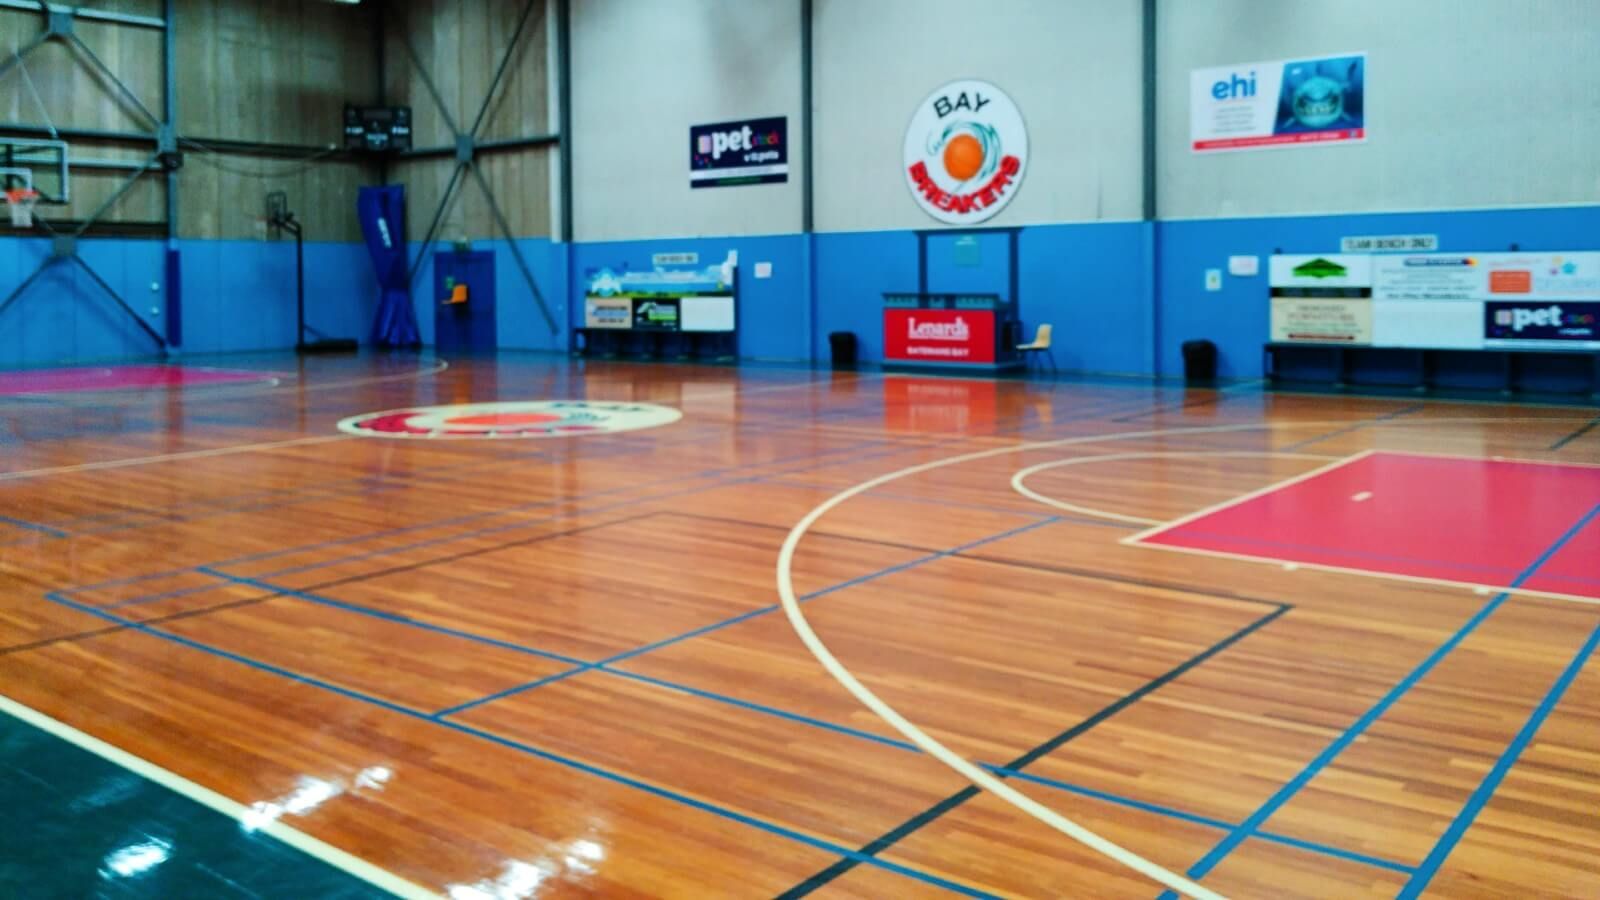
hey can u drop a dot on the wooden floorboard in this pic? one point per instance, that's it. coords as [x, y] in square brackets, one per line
[567, 659]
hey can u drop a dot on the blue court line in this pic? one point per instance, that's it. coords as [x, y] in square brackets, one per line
[1593, 424]
[1207, 821]
[532, 750]
[1283, 794]
[1095, 412]
[734, 620]
[1355, 426]
[469, 517]
[385, 551]
[25, 525]
[426, 476]
[279, 590]
[891, 447]
[496, 529]
[1491, 782]
[776, 712]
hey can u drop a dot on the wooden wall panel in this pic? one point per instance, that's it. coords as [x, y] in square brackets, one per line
[461, 44]
[255, 70]
[278, 72]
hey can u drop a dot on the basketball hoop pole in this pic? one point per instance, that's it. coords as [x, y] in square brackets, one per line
[286, 221]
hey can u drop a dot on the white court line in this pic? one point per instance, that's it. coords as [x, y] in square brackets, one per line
[305, 843]
[1476, 587]
[980, 777]
[169, 457]
[229, 391]
[1142, 538]
[1244, 498]
[1018, 481]
[1504, 459]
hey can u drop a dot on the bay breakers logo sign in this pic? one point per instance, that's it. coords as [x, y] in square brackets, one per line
[966, 150]
[544, 419]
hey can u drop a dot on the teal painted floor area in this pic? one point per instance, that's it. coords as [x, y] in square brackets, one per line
[74, 825]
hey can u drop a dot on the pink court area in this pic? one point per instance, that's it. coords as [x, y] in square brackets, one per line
[1492, 523]
[118, 378]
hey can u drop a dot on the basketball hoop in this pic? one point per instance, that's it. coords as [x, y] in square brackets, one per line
[21, 202]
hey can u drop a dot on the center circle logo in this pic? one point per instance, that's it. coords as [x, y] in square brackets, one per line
[965, 152]
[534, 419]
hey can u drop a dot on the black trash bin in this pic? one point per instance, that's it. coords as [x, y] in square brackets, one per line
[842, 346]
[1199, 362]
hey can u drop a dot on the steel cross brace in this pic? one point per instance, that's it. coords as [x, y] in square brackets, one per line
[466, 150]
[64, 247]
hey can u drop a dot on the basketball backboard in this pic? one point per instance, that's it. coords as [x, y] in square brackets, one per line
[39, 164]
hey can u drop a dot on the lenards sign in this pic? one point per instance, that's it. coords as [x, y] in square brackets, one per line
[965, 152]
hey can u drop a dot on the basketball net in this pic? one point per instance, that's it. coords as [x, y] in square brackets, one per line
[21, 201]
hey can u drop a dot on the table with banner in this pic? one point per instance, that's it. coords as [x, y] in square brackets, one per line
[971, 332]
[1504, 320]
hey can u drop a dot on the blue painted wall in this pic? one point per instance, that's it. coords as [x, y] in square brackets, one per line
[1115, 310]
[237, 295]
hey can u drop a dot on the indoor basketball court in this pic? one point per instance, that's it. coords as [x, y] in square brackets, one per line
[421, 477]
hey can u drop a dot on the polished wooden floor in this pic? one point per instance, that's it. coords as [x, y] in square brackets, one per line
[567, 659]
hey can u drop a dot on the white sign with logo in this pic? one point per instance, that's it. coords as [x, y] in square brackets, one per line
[1487, 276]
[966, 151]
[1283, 103]
[1388, 243]
[1327, 270]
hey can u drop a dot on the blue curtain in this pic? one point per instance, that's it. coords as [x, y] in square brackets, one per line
[383, 222]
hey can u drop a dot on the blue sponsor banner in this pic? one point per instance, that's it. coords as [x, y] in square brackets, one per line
[1568, 323]
[749, 151]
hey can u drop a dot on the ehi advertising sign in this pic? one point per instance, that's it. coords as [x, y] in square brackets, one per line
[749, 151]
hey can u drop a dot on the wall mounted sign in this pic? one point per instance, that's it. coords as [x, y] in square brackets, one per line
[729, 154]
[966, 150]
[1284, 103]
[1389, 243]
[1469, 301]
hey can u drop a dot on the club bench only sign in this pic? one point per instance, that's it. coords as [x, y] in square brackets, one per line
[729, 154]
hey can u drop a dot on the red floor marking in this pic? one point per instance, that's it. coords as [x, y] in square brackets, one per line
[118, 378]
[1465, 520]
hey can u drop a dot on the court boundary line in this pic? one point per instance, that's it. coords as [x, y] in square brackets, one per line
[608, 668]
[843, 675]
[1335, 463]
[279, 830]
[1083, 726]
[1583, 430]
[1020, 477]
[223, 391]
[1142, 538]
[1517, 460]
[1331, 752]
[885, 447]
[101, 465]
[522, 746]
[1480, 797]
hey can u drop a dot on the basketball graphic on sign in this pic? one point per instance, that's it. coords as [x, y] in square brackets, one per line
[965, 152]
[502, 421]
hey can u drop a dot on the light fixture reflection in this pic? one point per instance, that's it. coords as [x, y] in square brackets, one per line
[310, 793]
[136, 859]
[521, 880]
